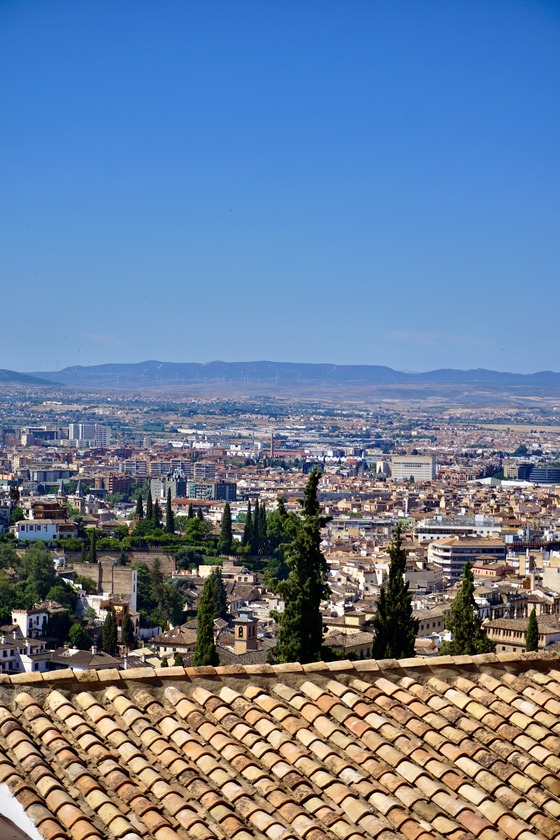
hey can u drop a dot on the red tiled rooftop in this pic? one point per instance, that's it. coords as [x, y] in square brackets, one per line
[459, 748]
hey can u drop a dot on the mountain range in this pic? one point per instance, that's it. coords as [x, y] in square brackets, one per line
[268, 377]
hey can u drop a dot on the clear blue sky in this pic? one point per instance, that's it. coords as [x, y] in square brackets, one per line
[357, 181]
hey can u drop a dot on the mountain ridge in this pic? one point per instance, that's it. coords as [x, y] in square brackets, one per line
[152, 372]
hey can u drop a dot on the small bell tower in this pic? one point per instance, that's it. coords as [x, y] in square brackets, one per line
[245, 630]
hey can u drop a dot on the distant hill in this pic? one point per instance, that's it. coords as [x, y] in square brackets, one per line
[12, 377]
[270, 376]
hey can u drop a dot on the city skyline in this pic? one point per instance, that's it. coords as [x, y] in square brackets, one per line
[360, 183]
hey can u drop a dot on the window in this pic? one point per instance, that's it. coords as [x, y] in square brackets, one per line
[240, 632]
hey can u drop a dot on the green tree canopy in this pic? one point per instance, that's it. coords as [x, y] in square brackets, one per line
[532, 635]
[8, 556]
[301, 626]
[468, 635]
[109, 633]
[37, 573]
[78, 638]
[394, 627]
[64, 594]
[149, 505]
[139, 506]
[88, 584]
[205, 648]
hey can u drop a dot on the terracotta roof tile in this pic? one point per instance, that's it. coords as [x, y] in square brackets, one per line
[416, 749]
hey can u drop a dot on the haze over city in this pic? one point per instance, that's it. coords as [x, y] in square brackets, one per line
[353, 183]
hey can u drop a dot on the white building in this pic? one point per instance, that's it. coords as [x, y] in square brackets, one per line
[418, 467]
[438, 527]
[89, 433]
[44, 529]
[452, 553]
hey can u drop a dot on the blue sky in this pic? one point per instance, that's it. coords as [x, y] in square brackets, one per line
[298, 180]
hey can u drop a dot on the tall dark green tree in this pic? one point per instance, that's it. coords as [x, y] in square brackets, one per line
[205, 648]
[156, 514]
[532, 635]
[218, 593]
[255, 536]
[92, 553]
[127, 632]
[394, 627]
[280, 528]
[469, 637]
[169, 518]
[248, 529]
[190, 512]
[263, 546]
[149, 505]
[226, 533]
[109, 633]
[301, 624]
[199, 514]
[139, 507]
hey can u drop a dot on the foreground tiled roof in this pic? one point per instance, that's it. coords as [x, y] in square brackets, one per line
[459, 748]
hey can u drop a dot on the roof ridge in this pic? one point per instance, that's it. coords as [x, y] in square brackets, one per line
[360, 666]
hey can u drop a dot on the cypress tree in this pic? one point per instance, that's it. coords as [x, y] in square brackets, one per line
[149, 505]
[190, 512]
[248, 529]
[263, 536]
[139, 507]
[92, 555]
[219, 593]
[199, 514]
[226, 534]
[301, 624]
[255, 536]
[205, 648]
[109, 633]
[394, 627]
[156, 514]
[169, 518]
[532, 635]
[463, 622]
[127, 632]
[83, 553]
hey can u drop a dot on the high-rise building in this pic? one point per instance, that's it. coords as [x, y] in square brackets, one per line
[89, 434]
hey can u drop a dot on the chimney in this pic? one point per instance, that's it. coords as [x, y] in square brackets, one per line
[93, 650]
